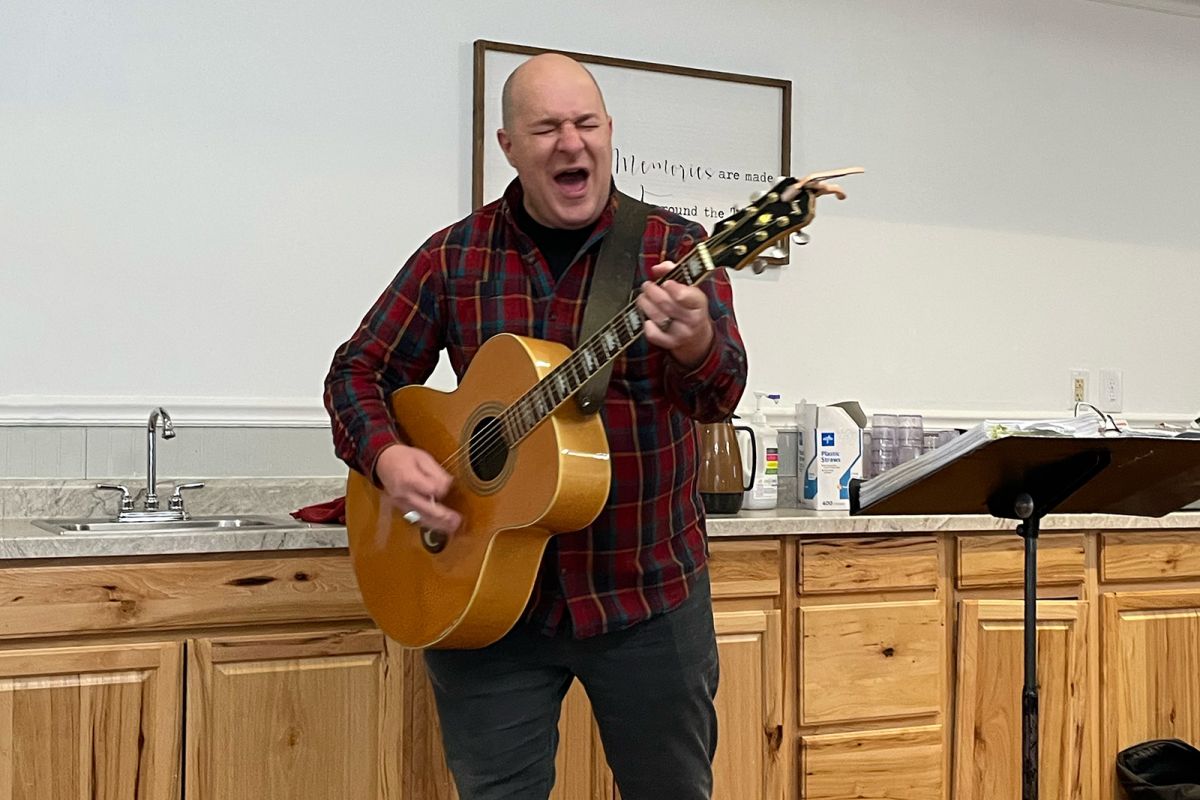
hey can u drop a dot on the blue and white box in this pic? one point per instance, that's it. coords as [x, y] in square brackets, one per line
[830, 447]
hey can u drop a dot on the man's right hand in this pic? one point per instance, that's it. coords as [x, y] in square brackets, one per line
[415, 481]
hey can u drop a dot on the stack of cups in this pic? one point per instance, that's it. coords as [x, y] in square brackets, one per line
[882, 454]
[910, 436]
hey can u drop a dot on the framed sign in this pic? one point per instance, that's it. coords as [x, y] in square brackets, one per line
[697, 142]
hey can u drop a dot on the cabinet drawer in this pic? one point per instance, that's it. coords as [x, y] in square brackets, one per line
[1146, 556]
[839, 565]
[905, 762]
[1000, 560]
[745, 568]
[181, 593]
[871, 661]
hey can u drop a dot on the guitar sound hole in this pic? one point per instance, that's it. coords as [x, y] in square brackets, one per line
[489, 451]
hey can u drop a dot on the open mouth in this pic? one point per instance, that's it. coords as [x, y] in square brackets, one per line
[573, 182]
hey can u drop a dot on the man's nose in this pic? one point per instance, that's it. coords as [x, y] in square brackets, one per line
[569, 138]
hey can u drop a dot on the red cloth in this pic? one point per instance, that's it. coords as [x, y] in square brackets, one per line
[332, 512]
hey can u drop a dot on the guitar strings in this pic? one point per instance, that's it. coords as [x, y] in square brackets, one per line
[484, 441]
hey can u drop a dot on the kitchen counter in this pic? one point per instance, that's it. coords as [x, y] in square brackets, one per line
[20, 539]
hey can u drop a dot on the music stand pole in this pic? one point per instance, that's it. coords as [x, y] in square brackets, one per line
[1028, 529]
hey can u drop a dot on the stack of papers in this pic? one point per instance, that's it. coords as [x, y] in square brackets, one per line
[1082, 427]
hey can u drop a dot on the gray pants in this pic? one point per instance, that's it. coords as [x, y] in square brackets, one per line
[651, 688]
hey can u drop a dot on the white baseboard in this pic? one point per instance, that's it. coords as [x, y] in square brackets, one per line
[946, 420]
[249, 412]
[216, 412]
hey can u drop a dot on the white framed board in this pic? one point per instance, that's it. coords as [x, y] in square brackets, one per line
[698, 142]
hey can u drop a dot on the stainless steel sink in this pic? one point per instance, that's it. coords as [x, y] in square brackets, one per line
[68, 527]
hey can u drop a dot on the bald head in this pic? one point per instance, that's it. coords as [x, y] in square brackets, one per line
[557, 135]
[537, 72]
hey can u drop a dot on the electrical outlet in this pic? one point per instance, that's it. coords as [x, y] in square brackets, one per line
[1112, 394]
[1079, 386]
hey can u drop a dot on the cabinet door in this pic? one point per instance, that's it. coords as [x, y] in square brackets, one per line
[306, 716]
[987, 746]
[750, 737]
[1151, 660]
[99, 722]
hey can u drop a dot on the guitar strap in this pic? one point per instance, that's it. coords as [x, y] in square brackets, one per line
[611, 288]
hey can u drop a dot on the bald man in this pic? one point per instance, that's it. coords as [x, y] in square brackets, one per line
[624, 605]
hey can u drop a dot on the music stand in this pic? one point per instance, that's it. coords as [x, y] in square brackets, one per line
[1027, 477]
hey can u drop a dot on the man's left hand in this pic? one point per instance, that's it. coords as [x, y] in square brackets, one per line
[677, 317]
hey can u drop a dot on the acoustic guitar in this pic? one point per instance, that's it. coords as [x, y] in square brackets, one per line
[526, 463]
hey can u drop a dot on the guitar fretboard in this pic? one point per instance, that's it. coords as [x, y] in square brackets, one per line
[613, 338]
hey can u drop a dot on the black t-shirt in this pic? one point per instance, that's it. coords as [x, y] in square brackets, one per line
[558, 246]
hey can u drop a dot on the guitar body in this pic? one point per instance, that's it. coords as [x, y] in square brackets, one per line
[468, 590]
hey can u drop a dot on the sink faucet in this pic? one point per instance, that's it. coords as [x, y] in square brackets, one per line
[151, 511]
[168, 432]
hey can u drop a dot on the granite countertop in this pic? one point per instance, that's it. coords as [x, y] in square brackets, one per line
[20, 539]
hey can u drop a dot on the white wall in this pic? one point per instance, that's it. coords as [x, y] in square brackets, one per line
[198, 201]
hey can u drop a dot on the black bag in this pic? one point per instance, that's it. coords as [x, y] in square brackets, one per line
[1160, 769]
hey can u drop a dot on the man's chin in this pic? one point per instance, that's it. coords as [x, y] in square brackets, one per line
[578, 215]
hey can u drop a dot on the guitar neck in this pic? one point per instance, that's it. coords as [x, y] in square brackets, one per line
[738, 240]
[599, 349]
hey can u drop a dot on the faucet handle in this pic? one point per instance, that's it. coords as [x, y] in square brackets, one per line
[176, 503]
[126, 499]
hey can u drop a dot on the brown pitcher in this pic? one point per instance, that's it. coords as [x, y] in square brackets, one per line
[720, 472]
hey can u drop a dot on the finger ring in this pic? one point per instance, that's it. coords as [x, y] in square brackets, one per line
[663, 324]
[412, 517]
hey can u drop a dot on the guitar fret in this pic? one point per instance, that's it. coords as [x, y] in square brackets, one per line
[611, 342]
[705, 257]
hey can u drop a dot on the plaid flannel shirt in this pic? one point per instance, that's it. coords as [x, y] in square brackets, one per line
[483, 276]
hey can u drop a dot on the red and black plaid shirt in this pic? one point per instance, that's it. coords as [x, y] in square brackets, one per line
[483, 276]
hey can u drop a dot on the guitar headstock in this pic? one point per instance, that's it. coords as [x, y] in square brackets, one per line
[784, 210]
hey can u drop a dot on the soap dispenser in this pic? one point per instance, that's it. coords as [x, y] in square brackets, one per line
[764, 491]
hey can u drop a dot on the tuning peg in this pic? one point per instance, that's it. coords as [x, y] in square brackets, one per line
[759, 266]
[800, 237]
[759, 195]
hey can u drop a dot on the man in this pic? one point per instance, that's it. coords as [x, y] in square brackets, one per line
[623, 605]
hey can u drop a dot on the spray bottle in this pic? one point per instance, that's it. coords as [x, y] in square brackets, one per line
[765, 491]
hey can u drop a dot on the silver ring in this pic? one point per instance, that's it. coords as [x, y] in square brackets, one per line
[664, 324]
[412, 517]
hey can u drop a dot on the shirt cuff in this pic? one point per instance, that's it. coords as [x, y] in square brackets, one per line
[704, 370]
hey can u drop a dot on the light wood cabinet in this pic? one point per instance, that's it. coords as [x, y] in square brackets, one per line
[99, 721]
[871, 669]
[750, 733]
[987, 744]
[839, 671]
[303, 715]
[1150, 669]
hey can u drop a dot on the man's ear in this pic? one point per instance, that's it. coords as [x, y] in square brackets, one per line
[505, 146]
